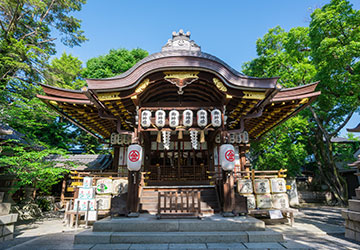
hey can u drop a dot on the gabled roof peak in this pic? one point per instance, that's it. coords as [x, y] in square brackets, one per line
[181, 41]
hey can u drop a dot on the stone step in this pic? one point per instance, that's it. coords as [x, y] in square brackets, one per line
[88, 237]
[350, 215]
[151, 224]
[353, 225]
[351, 234]
[354, 205]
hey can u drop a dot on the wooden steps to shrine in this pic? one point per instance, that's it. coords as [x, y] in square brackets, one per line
[208, 197]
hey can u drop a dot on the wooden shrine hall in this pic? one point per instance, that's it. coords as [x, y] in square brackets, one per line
[180, 119]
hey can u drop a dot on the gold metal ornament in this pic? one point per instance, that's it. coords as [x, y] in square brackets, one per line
[253, 95]
[219, 85]
[109, 96]
[142, 86]
[181, 78]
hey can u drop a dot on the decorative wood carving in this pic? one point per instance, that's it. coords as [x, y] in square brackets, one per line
[253, 95]
[219, 85]
[109, 96]
[181, 78]
[142, 86]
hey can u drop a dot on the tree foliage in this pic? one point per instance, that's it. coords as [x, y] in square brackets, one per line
[328, 51]
[65, 72]
[115, 62]
[27, 35]
[31, 167]
[283, 147]
[28, 30]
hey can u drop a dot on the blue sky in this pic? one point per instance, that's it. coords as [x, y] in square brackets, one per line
[226, 29]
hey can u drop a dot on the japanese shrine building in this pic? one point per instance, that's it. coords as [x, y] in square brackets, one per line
[179, 106]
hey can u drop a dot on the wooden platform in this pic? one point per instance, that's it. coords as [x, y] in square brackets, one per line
[288, 213]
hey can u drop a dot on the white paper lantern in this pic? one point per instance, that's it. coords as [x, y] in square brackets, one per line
[134, 157]
[188, 118]
[126, 139]
[227, 157]
[244, 137]
[174, 118]
[114, 138]
[120, 140]
[216, 118]
[145, 118]
[202, 118]
[232, 137]
[160, 117]
[238, 138]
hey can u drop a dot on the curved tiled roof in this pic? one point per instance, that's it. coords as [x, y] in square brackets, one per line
[172, 60]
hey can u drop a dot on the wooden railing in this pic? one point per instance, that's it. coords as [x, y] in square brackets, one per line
[179, 204]
[263, 174]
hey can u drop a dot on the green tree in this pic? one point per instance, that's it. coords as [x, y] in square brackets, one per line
[329, 51]
[26, 36]
[26, 43]
[283, 148]
[65, 72]
[114, 63]
[28, 30]
[31, 167]
[117, 61]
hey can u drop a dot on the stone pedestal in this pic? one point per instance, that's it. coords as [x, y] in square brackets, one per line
[7, 226]
[6, 220]
[352, 218]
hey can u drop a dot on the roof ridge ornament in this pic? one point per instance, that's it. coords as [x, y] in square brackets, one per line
[181, 41]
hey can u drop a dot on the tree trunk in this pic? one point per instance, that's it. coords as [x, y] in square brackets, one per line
[327, 168]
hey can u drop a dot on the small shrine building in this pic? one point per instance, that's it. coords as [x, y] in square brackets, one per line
[167, 117]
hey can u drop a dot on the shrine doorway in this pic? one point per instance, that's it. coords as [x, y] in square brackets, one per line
[178, 163]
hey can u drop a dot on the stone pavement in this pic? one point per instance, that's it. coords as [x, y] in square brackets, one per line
[316, 228]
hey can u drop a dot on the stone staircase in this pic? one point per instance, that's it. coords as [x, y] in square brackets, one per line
[209, 200]
[146, 229]
[352, 217]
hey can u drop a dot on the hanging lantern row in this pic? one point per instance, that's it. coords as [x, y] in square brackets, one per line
[118, 139]
[145, 118]
[235, 138]
[187, 118]
[160, 118]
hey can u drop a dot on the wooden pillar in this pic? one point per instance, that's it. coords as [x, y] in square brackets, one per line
[242, 150]
[115, 165]
[229, 194]
[133, 193]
